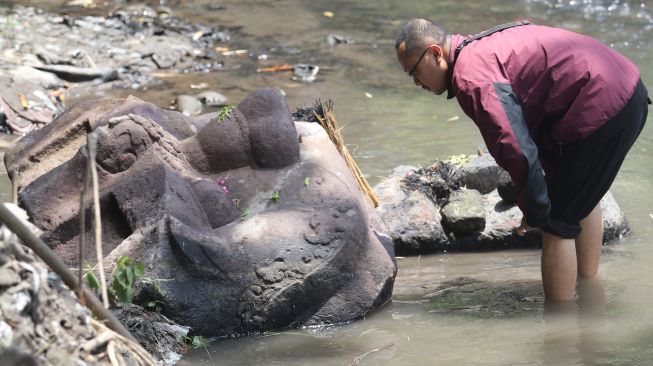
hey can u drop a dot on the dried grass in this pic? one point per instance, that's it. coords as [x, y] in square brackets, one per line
[327, 119]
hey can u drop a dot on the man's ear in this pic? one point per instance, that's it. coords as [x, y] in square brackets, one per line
[437, 51]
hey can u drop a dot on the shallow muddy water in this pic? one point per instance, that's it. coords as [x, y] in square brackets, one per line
[448, 309]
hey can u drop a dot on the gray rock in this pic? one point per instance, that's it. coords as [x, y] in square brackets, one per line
[491, 218]
[334, 39]
[615, 225]
[203, 119]
[200, 210]
[402, 170]
[481, 173]
[507, 189]
[212, 98]
[76, 74]
[464, 213]
[188, 105]
[413, 219]
[305, 72]
[501, 219]
[31, 75]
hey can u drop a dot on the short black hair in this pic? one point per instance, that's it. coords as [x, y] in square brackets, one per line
[419, 33]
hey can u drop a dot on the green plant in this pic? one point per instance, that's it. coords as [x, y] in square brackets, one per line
[155, 304]
[197, 342]
[124, 278]
[244, 215]
[225, 112]
[275, 196]
[458, 160]
[92, 281]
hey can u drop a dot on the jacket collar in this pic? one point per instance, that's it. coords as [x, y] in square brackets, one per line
[456, 39]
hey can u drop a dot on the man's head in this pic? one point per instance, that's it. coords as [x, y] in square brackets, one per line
[423, 52]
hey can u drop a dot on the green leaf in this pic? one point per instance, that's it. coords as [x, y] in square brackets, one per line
[275, 196]
[307, 181]
[244, 214]
[129, 275]
[124, 261]
[225, 112]
[92, 281]
[459, 160]
[198, 341]
[139, 270]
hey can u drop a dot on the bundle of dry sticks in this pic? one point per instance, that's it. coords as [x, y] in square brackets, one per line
[327, 118]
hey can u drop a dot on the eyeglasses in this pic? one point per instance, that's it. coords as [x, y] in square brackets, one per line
[411, 73]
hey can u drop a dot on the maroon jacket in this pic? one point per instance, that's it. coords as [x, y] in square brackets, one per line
[531, 87]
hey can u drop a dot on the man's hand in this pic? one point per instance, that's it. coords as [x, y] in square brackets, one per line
[524, 228]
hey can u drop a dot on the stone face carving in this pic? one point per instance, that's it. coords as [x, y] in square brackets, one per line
[254, 223]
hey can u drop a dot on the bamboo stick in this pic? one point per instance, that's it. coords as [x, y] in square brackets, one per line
[91, 142]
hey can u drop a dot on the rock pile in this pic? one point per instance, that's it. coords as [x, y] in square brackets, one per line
[463, 207]
[41, 320]
[45, 55]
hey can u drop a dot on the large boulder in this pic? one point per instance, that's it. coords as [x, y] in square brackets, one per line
[253, 224]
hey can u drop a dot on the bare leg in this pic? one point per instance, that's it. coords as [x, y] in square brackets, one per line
[591, 297]
[558, 268]
[588, 244]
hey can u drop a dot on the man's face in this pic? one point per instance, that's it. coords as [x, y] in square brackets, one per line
[427, 68]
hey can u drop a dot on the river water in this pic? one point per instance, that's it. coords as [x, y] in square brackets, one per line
[390, 122]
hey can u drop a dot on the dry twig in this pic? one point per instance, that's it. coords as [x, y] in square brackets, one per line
[42, 250]
[359, 358]
[82, 231]
[134, 347]
[91, 142]
[14, 185]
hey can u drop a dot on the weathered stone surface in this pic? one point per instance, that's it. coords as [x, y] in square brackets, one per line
[188, 105]
[507, 189]
[56, 143]
[413, 219]
[29, 74]
[501, 214]
[14, 96]
[481, 173]
[501, 219]
[615, 225]
[212, 98]
[160, 336]
[93, 54]
[40, 313]
[227, 220]
[464, 212]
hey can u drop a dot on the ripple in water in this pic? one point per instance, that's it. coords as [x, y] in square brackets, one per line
[622, 24]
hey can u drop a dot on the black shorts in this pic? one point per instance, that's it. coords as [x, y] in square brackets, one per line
[582, 172]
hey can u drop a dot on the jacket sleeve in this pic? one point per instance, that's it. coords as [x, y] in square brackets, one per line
[497, 113]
